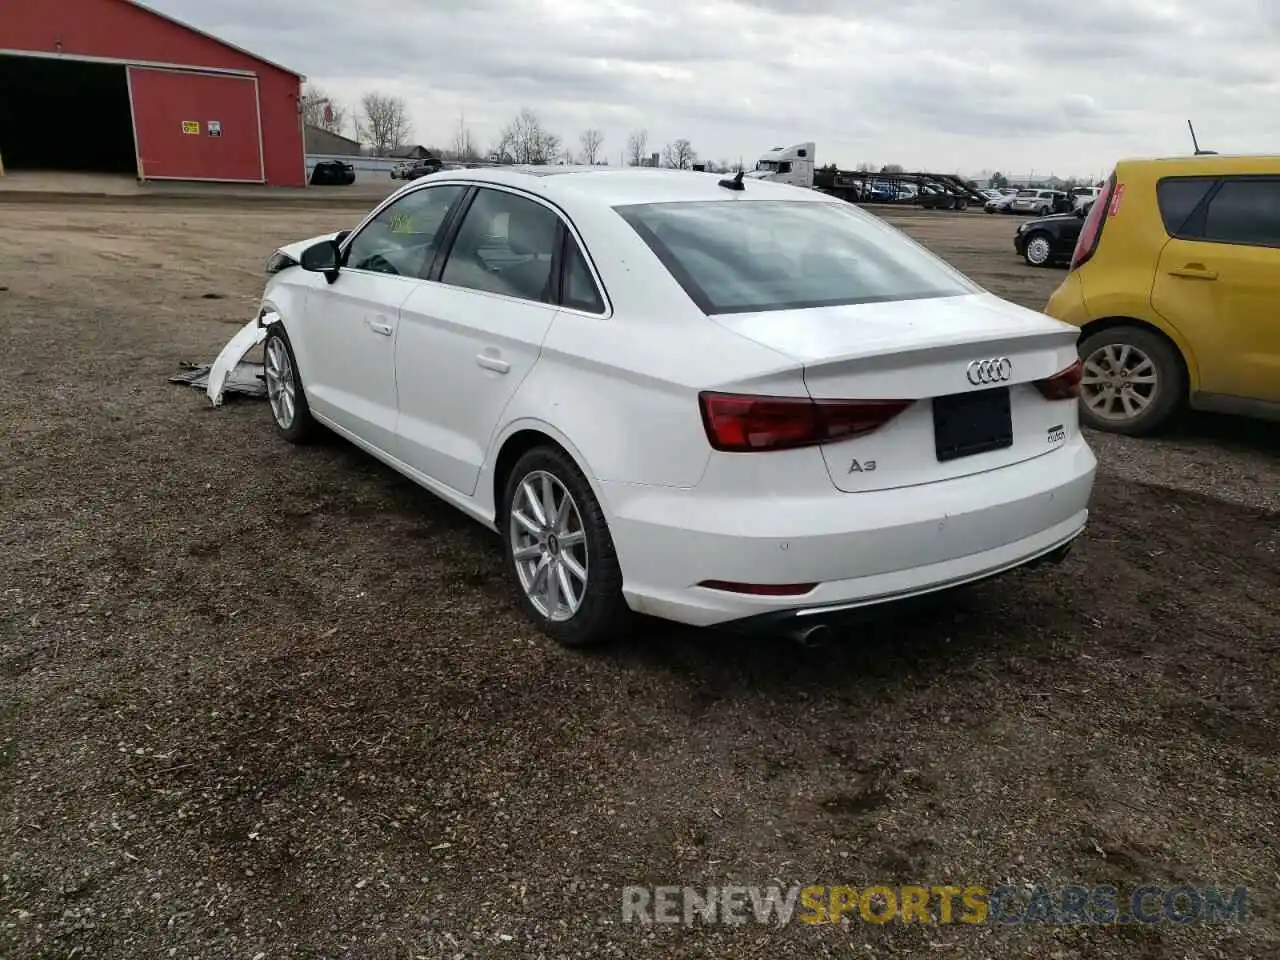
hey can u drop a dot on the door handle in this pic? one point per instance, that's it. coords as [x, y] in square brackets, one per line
[384, 329]
[490, 362]
[1195, 271]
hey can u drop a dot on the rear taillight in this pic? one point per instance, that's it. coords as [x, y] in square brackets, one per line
[1063, 385]
[739, 423]
[1106, 206]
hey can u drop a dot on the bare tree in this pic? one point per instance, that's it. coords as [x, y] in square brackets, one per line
[528, 141]
[463, 147]
[891, 168]
[314, 114]
[679, 155]
[500, 152]
[591, 139]
[637, 147]
[383, 122]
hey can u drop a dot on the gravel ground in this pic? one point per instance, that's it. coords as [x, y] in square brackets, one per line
[261, 702]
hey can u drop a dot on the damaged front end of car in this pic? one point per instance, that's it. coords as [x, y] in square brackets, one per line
[230, 372]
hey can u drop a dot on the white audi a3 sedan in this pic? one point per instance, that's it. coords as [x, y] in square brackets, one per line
[724, 403]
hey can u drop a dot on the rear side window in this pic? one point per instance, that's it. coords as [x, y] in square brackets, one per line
[1245, 212]
[505, 245]
[1178, 198]
[580, 291]
[739, 256]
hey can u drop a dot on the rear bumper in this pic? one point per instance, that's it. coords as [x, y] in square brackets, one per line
[865, 610]
[859, 548]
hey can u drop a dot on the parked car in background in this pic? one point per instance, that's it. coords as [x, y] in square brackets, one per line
[1175, 282]
[647, 385]
[1040, 202]
[1080, 196]
[1049, 240]
[1001, 203]
[400, 170]
[333, 173]
[423, 168]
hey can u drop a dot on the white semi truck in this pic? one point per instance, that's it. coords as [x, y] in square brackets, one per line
[797, 166]
[793, 165]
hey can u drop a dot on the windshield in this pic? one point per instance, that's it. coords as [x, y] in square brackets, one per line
[766, 165]
[739, 256]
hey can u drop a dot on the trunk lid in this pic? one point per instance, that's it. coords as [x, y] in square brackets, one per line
[922, 350]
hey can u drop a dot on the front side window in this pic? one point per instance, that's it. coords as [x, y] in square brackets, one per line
[504, 245]
[1245, 212]
[402, 239]
[737, 256]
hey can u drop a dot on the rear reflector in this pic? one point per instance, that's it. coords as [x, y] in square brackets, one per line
[1063, 385]
[760, 589]
[738, 423]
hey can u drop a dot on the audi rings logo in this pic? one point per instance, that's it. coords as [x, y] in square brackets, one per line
[995, 370]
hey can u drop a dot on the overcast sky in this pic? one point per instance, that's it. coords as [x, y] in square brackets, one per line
[1014, 85]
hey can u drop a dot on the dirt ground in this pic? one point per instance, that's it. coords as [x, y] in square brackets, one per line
[265, 702]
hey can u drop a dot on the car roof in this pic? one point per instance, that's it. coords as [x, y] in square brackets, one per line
[1208, 163]
[616, 186]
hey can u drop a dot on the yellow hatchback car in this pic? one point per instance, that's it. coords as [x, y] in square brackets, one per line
[1175, 284]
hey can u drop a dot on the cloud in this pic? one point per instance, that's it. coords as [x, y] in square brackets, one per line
[937, 84]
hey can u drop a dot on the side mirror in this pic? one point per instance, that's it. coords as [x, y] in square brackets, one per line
[322, 257]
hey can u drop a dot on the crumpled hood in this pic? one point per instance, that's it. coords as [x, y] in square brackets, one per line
[294, 250]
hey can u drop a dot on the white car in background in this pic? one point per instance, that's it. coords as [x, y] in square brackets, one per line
[1083, 196]
[1039, 202]
[722, 403]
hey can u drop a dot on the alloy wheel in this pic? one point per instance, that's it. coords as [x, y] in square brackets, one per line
[549, 546]
[1120, 382]
[1038, 251]
[281, 386]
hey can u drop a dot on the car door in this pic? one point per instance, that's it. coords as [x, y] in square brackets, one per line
[1218, 283]
[469, 339]
[348, 362]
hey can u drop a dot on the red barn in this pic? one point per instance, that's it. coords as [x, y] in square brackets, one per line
[115, 87]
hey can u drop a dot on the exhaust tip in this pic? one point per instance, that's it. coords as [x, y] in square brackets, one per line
[814, 636]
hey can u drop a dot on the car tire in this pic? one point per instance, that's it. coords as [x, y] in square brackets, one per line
[1146, 351]
[286, 396]
[1037, 249]
[597, 611]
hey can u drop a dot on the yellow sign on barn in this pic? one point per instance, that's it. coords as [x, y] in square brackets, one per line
[191, 127]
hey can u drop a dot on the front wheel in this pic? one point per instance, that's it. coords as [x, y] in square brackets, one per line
[289, 407]
[560, 554]
[1038, 250]
[1133, 382]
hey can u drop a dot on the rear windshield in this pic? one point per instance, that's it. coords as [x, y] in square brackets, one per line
[739, 256]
